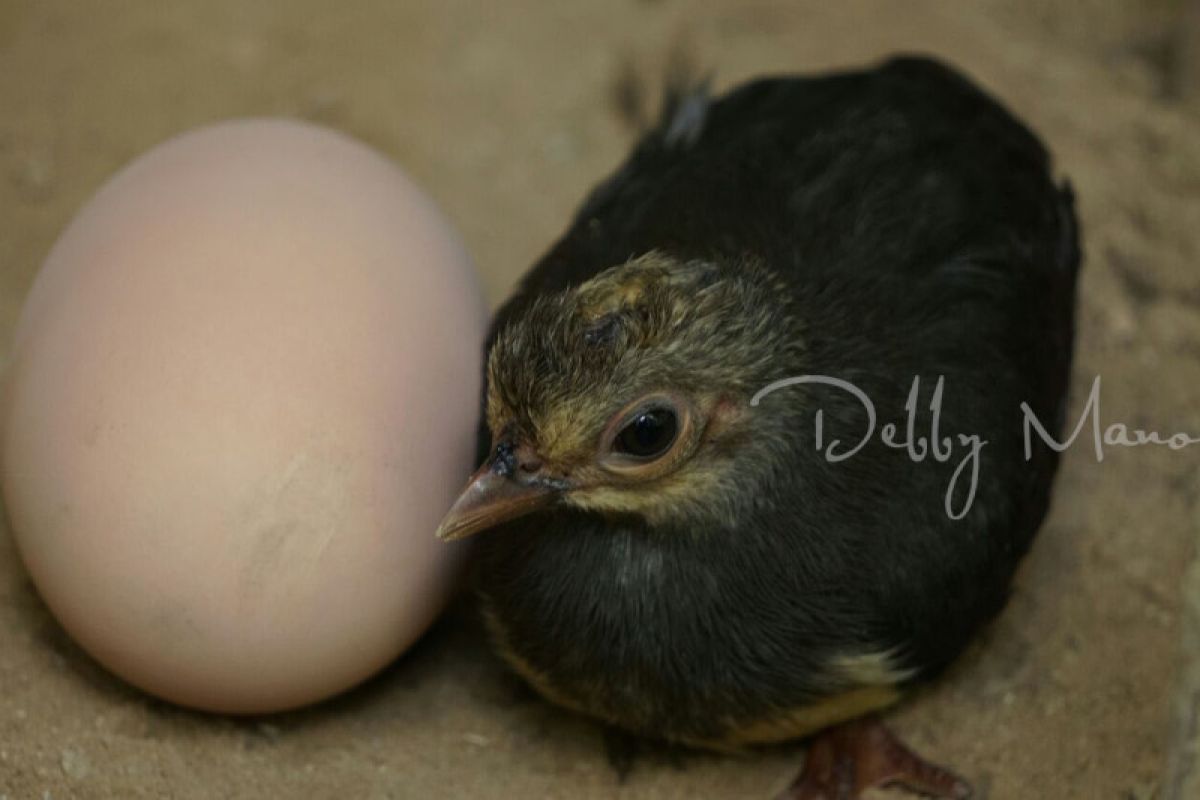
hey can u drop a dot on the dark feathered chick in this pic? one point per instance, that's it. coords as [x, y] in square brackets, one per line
[682, 562]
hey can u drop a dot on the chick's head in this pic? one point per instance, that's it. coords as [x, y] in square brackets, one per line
[630, 394]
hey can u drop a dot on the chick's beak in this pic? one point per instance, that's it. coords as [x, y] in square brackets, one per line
[507, 486]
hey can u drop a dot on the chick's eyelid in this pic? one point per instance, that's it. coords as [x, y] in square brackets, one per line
[629, 464]
[630, 412]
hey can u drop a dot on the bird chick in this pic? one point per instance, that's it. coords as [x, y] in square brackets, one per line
[674, 550]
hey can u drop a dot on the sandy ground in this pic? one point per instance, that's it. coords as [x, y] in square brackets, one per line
[505, 115]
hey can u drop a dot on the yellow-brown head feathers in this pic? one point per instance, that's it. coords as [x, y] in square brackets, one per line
[687, 342]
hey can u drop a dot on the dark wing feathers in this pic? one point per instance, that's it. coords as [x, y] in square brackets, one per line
[806, 172]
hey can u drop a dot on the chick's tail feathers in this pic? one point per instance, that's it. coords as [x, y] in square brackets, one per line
[683, 109]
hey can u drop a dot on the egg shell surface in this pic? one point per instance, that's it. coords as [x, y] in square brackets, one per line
[244, 389]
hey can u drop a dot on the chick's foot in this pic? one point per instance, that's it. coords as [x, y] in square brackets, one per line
[846, 760]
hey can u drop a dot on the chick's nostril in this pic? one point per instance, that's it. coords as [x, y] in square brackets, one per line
[510, 457]
[504, 458]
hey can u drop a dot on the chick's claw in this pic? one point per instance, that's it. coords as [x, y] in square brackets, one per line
[845, 761]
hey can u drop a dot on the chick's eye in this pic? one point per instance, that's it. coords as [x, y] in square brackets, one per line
[649, 434]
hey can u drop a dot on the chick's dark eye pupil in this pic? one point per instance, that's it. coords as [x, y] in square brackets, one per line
[649, 434]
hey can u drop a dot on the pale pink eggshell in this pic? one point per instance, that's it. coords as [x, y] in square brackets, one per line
[243, 392]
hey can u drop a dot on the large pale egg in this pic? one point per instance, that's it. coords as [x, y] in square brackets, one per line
[243, 391]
